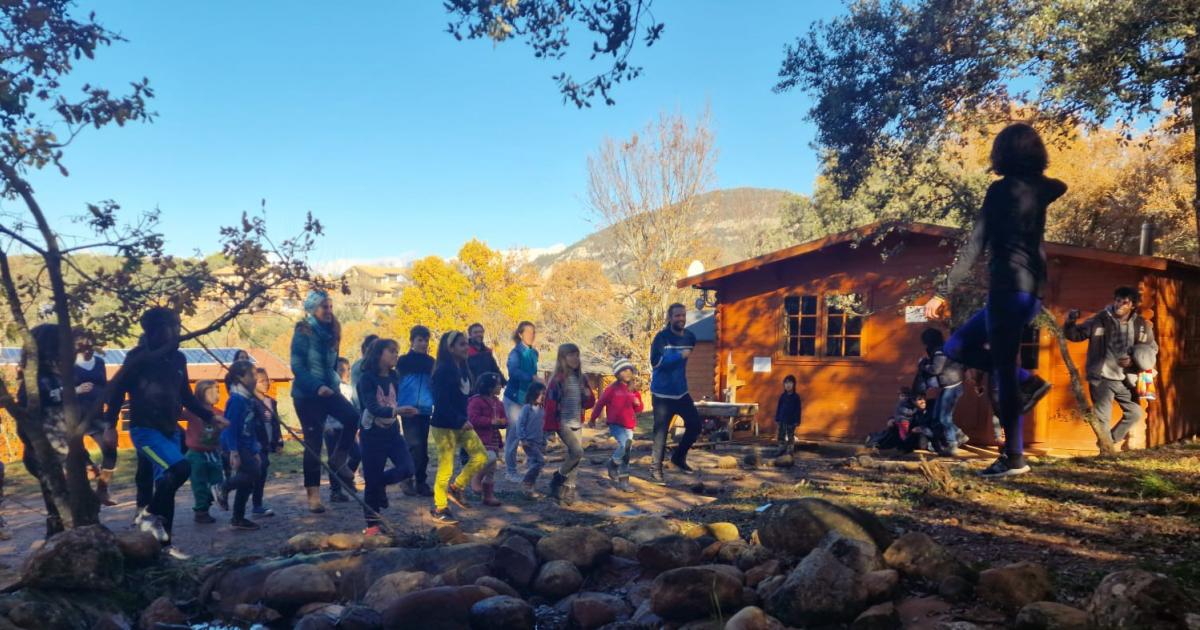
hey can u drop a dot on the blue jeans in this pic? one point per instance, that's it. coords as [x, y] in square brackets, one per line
[622, 436]
[943, 413]
[512, 409]
[991, 341]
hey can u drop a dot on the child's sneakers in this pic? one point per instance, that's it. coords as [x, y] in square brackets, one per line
[152, 525]
[263, 511]
[373, 530]
[442, 516]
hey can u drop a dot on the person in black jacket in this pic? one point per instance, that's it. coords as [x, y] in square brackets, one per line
[156, 380]
[787, 415]
[1011, 225]
[91, 378]
[480, 358]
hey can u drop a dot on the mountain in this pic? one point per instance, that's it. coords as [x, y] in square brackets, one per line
[742, 223]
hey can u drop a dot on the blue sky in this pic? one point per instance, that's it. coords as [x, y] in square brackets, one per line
[400, 139]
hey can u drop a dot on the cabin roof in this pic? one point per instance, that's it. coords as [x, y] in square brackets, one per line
[711, 278]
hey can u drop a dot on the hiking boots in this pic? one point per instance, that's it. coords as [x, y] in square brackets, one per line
[314, 500]
[244, 524]
[614, 471]
[682, 465]
[657, 478]
[556, 486]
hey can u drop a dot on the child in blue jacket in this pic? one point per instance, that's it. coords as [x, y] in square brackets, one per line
[240, 439]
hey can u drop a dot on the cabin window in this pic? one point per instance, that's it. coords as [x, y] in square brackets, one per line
[800, 326]
[843, 325]
[1030, 347]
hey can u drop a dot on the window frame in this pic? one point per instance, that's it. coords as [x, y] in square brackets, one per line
[820, 355]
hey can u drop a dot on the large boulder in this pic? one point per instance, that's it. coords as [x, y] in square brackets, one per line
[305, 542]
[496, 584]
[624, 548]
[797, 527]
[822, 589]
[1011, 587]
[292, 587]
[1051, 616]
[502, 612]
[878, 617]
[753, 618]
[915, 554]
[393, 586]
[880, 585]
[589, 611]
[516, 559]
[643, 529]
[757, 574]
[557, 579]
[84, 558]
[669, 552]
[437, 608]
[694, 592]
[724, 532]
[1138, 599]
[582, 546]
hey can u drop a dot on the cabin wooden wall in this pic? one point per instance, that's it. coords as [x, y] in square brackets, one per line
[844, 399]
[700, 369]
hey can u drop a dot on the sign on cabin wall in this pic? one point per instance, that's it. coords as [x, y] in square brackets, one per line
[915, 315]
[762, 365]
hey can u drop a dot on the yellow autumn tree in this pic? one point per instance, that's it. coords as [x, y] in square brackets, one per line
[578, 305]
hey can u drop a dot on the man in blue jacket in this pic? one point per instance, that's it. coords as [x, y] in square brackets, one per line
[669, 354]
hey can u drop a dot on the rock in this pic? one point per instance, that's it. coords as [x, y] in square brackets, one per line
[139, 548]
[729, 552]
[589, 611]
[450, 534]
[702, 624]
[528, 533]
[305, 542]
[471, 574]
[694, 592]
[1012, 587]
[880, 585]
[698, 487]
[85, 558]
[1051, 616]
[290, 588]
[724, 532]
[797, 527]
[496, 584]
[1138, 599]
[643, 529]
[516, 560]
[503, 612]
[878, 617]
[392, 586]
[753, 556]
[862, 557]
[767, 587]
[645, 617]
[956, 589]
[325, 608]
[252, 613]
[669, 552]
[345, 542]
[727, 462]
[437, 607]
[916, 554]
[108, 621]
[316, 621]
[624, 548]
[161, 610]
[753, 459]
[581, 546]
[820, 590]
[753, 618]
[957, 625]
[756, 575]
[557, 579]
[784, 461]
[360, 618]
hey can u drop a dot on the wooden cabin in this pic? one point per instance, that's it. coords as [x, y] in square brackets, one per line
[797, 311]
[701, 370]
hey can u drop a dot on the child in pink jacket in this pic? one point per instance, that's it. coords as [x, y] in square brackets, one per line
[621, 403]
[486, 414]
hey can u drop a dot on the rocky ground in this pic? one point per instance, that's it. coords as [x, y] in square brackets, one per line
[920, 545]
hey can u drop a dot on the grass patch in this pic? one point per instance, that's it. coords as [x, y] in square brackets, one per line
[1155, 486]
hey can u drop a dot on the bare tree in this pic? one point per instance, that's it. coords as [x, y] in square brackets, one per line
[40, 41]
[644, 193]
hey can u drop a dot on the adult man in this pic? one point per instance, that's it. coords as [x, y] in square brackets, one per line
[480, 358]
[669, 353]
[156, 379]
[1120, 344]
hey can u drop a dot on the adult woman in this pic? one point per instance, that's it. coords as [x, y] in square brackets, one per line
[316, 394]
[1011, 225]
[522, 372]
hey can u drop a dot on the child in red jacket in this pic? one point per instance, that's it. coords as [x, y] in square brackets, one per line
[621, 403]
[487, 416]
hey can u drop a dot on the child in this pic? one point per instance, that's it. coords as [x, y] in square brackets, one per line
[897, 432]
[946, 376]
[240, 439]
[486, 413]
[531, 426]
[787, 415]
[567, 398]
[333, 433]
[621, 403]
[91, 377]
[415, 391]
[204, 443]
[380, 438]
[271, 437]
[450, 428]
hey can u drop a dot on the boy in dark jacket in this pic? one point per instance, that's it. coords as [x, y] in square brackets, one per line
[241, 439]
[415, 389]
[787, 415]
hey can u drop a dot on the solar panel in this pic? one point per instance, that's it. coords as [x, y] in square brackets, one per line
[114, 356]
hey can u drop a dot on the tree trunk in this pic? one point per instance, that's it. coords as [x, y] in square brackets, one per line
[1099, 425]
[1195, 97]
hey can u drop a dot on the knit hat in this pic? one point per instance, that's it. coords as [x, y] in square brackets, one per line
[314, 299]
[622, 364]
